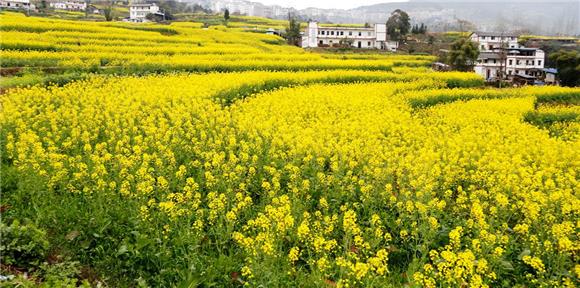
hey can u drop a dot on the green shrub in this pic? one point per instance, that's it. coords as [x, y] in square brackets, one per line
[543, 119]
[22, 245]
[564, 97]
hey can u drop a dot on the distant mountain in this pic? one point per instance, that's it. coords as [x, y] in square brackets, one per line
[558, 17]
[542, 17]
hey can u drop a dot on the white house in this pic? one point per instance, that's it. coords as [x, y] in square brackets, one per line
[359, 37]
[69, 5]
[489, 41]
[502, 57]
[16, 4]
[138, 11]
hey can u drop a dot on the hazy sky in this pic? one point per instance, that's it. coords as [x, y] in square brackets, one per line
[342, 4]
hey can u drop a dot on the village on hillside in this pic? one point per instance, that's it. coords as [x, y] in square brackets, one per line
[503, 58]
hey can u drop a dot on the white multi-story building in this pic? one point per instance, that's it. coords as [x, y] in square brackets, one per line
[359, 37]
[488, 41]
[16, 4]
[138, 11]
[69, 5]
[501, 57]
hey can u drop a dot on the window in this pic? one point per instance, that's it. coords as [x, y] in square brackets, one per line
[539, 62]
[517, 71]
[485, 61]
[492, 37]
[359, 33]
[511, 62]
[482, 47]
[517, 63]
[341, 33]
[320, 42]
[349, 33]
[493, 61]
[322, 32]
[369, 43]
[510, 72]
[331, 32]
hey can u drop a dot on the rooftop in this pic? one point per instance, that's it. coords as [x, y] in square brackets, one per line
[489, 55]
[498, 34]
[523, 49]
[142, 5]
[346, 28]
[524, 76]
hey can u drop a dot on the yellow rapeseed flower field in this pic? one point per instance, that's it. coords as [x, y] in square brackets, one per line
[337, 173]
[78, 45]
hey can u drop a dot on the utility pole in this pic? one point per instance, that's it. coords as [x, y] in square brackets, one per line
[502, 58]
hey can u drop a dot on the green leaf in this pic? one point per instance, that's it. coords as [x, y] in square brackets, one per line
[506, 265]
[526, 252]
[122, 250]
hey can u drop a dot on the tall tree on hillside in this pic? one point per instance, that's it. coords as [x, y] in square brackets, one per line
[568, 64]
[108, 11]
[88, 7]
[293, 30]
[43, 6]
[419, 29]
[423, 29]
[226, 15]
[463, 54]
[398, 24]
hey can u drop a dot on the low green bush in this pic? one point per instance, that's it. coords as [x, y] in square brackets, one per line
[23, 244]
[543, 119]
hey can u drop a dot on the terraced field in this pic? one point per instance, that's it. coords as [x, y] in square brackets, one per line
[336, 174]
[53, 46]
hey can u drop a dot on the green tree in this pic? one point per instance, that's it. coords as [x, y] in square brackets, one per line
[422, 29]
[398, 24]
[43, 6]
[463, 54]
[88, 8]
[226, 15]
[108, 12]
[293, 31]
[568, 64]
[419, 29]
